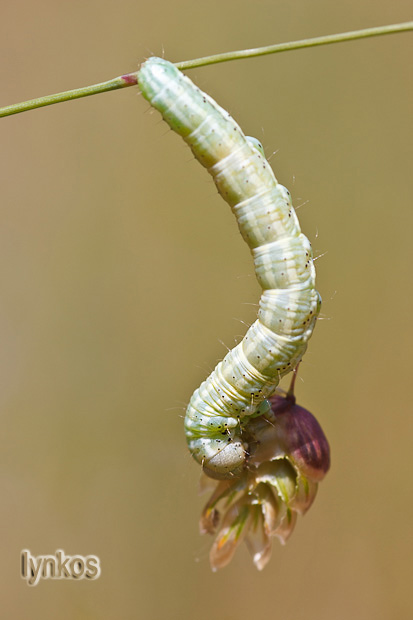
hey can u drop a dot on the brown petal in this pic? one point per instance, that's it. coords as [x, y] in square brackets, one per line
[210, 516]
[281, 475]
[209, 521]
[258, 541]
[273, 510]
[234, 527]
[305, 495]
[285, 529]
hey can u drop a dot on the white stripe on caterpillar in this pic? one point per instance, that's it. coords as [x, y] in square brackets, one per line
[219, 410]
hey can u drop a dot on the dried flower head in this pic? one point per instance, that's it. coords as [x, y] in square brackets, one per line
[288, 455]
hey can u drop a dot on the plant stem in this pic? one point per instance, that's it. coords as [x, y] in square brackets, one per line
[130, 79]
[296, 45]
[119, 82]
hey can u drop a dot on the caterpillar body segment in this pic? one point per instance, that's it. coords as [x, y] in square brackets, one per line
[220, 409]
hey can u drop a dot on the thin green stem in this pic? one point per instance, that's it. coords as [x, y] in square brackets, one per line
[118, 82]
[295, 45]
[130, 79]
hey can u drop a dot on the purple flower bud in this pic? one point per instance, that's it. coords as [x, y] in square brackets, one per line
[290, 430]
[288, 454]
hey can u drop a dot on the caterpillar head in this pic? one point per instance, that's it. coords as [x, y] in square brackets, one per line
[227, 462]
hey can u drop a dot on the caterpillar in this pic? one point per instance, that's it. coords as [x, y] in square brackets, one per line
[236, 391]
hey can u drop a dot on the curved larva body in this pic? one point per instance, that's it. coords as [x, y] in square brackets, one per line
[220, 408]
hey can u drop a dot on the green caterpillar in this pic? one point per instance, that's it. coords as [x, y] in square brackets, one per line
[236, 391]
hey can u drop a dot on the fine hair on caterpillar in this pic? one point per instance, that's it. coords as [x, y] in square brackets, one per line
[236, 392]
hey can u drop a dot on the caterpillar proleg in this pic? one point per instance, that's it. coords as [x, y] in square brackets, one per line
[236, 391]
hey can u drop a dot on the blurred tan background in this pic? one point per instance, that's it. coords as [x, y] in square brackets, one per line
[123, 278]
